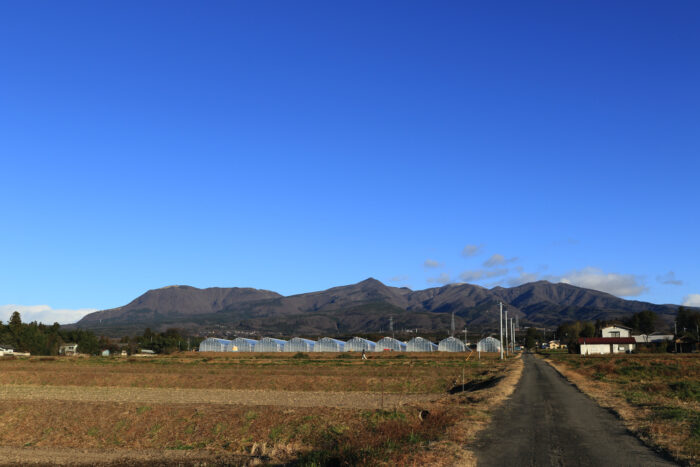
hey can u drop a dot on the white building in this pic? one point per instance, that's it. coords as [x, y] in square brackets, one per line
[616, 330]
[606, 345]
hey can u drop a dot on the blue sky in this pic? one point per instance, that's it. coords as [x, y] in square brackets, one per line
[296, 146]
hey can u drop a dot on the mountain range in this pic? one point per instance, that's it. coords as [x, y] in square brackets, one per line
[365, 307]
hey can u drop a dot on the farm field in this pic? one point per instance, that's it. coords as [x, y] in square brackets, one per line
[304, 409]
[657, 395]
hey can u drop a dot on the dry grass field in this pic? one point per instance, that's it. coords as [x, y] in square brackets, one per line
[242, 409]
[657, 395]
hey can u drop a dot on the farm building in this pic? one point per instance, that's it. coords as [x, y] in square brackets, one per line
[390, 344]
[270, 344]
[327, 344]
[605, 345]
[242, 344]
[419, 344]
[68, 349]
[452, 344]
[213, 344]
[298, 344]
[654, 337]
[358, 344]
[489, 344]
[6, 350]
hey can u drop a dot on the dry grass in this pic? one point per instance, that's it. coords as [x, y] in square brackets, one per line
[657, 396]
[244, 434]
[398, 373]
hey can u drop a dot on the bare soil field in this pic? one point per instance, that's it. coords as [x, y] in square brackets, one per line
[656, 395]
[311, 410]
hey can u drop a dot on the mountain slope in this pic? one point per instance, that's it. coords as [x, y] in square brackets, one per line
[363, 307]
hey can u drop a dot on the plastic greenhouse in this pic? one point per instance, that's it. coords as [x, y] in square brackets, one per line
[212, 344]
[327, 344]
[358, 344]
[270, 344]
[298, 344]
[389, 343]
[419, 344]
[241, 344]
[452, 344]
[488, 344]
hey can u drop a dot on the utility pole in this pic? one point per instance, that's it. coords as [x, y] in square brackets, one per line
[500, 322]
[505, 323]
[391, 326]
[452, 327]
[512, 334]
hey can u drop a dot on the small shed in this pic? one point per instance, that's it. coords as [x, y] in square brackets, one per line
[298, 344]
[68, 349]
[328, 344]
[489, 344]
[358, 344]
[242, 344]
[270, 344]
[105, 353]
[420, 344]
[452, 344]
[390, 344]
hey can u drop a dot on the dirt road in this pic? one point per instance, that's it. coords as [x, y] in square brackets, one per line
[350, 400]
[548, 421]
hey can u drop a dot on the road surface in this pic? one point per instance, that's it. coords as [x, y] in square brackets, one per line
[547, 422]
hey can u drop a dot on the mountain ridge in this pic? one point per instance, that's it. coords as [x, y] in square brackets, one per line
[363, 307]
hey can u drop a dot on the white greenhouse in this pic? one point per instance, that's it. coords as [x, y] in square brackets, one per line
[358, 344]
[419, 344]
[452, 344]
[299, 344]
[270, 344]
[327, 344]
[241, 344]
[489, 344]
[390, 344]
[212, 344]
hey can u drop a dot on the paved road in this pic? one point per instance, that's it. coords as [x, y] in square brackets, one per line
[547, 421]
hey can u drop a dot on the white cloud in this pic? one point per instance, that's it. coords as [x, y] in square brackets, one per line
[431, 263]
[692, 300]
[623, 285]
[669, 279]
[43, 314]
[472, 250]
[498, 260]
[399, 279]
[443, 278]
[522, 278]
[479, 274]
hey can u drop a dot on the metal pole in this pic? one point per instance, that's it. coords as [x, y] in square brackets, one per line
[500, 322]
[506, 325]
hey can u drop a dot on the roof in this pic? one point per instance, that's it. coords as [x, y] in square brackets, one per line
[606, 340]
[617, 326]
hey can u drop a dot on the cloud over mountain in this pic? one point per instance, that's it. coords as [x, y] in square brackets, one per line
[43, 313]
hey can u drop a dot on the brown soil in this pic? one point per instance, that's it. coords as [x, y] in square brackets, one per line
[353, 400]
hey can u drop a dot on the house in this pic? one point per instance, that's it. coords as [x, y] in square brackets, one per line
[68, 349]
[6, 350]
[616, 330]
[554, 345]
[606, 345]
[123, 353]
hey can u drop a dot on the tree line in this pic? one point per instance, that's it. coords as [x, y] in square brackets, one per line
[42, 339]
